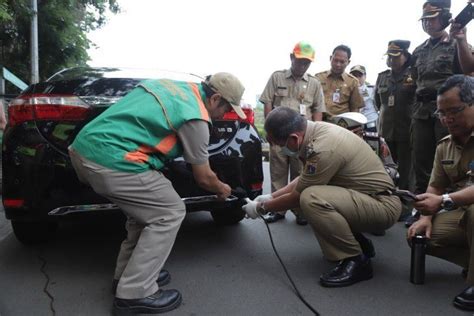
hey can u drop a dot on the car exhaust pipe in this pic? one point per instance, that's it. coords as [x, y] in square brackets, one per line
[237, 196]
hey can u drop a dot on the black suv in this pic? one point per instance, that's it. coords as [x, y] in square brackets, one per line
[39, 183]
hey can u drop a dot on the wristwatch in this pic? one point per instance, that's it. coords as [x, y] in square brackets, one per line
[447, 203]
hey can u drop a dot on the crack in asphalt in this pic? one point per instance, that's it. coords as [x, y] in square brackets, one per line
[45, 288]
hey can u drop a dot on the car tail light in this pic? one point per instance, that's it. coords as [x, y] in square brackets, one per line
[46, 107]
[13, 203]
[232, 116]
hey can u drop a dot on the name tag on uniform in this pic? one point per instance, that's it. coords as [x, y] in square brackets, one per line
[391, 100]
[336, 97]
[302, 109]
[447, 162]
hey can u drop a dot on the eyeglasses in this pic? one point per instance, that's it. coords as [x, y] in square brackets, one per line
[451, 112]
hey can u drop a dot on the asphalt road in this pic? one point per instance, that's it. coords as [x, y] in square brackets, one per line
[219, 271]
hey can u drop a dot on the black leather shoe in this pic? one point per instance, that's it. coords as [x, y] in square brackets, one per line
[300, 220]
[365, 244]
[273, 217]
[160, 302]
[347, 272]
[163, 278]
[465, 300]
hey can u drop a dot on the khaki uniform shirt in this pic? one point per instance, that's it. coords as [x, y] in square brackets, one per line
[451, 164]
[304, 95]
[395, 98]
[432, 65]
[341, 93]
[338, 157]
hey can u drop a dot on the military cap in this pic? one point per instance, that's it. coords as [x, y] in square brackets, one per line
[358, 68]
[431, 9]
[350, 120]
[303, 50]
[396, 47]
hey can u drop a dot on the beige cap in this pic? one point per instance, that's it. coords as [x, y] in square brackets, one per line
[358, 68]
[231, 89]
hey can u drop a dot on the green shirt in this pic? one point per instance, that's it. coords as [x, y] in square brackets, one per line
[139, 132]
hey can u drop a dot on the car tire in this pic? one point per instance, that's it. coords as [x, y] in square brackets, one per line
[227, 216]
[33, 232]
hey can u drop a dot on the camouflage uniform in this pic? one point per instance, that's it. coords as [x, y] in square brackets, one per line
[433, 63]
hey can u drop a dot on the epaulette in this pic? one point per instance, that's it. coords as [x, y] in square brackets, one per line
[279, 71]
[445, 138]
[321, 73]
[384, 72]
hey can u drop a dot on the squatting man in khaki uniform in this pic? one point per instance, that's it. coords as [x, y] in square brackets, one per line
[343, 190]
[451, 186]
[296, 89]
[120, 154]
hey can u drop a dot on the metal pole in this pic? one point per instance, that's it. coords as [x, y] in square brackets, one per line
[34, 42]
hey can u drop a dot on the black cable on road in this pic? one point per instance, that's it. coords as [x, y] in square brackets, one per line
[297, 292]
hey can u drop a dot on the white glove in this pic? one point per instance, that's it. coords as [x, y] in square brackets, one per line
[250, 208]
[263, 198]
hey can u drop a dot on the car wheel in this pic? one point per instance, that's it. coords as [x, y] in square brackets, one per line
[33, 232]
[227, 216]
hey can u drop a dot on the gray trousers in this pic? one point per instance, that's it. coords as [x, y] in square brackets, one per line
[154, 214]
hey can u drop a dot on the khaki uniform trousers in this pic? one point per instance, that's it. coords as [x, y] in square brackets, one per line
[452, 239]
[154, 214]
[335, 213]
[280, 165]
